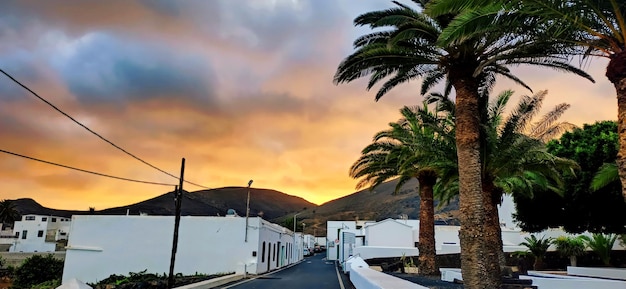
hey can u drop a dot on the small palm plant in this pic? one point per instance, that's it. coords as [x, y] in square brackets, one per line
[570, 247]
[602, 245]
[537, 248]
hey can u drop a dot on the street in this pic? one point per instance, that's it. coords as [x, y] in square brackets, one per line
[312, 273]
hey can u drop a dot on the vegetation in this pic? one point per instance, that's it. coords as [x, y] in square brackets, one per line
[570, 247]
[36, 270]
[579, 208]
[149, 280]
[420, 146]
[602, 245]
[8, 213]
[537, 248]
[427, 45]
[599, 29]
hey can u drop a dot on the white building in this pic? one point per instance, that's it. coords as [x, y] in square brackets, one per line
[379, 234]
[103, 245]
[37, 233]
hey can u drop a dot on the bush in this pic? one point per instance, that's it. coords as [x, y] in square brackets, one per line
[36, 270]
[602, 245]
[51, 284]
[570, 247]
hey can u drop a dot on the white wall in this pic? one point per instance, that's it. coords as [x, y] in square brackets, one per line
[332, 236]
[505, 212]
[389, 233]
[32, 231]
[103, 245]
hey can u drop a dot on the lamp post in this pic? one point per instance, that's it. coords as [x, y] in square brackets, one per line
[248, 209]
[294, 223]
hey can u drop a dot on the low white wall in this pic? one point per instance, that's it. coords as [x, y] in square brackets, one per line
[103, 245]
[611, 273]
[370, 252]
[363, 277]
[548, 281]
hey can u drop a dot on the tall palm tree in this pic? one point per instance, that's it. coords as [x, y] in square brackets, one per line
[8, 212]
[600, 28]
[411, 148]
[411, 49]
[514, 157]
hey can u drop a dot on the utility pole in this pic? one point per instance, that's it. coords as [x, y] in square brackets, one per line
[248, 209]
[178, 198]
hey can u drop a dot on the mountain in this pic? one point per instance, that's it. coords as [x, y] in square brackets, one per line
[378, 204]
[276, 206]
[268, 203]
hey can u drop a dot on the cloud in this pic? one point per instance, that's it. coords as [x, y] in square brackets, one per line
[98, 67]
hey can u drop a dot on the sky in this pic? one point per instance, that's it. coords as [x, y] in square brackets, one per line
[240, 89]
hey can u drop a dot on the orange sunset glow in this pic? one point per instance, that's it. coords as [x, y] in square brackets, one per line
[241, 89]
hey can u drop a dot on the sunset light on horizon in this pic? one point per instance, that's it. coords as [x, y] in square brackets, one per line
[240, 89]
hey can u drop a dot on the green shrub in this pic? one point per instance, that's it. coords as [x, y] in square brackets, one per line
[570, 247]
[537, 248]
[602, 245]
[36, 270]
[51, 284]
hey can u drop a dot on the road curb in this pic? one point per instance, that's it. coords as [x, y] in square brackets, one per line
[212, 283]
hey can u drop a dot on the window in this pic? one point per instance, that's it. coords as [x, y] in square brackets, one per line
[275, 253]
[40, 234]
[44, 219]
[263, 254]
[17, 234]
[29, 218]
[53, 220]
[24, 234]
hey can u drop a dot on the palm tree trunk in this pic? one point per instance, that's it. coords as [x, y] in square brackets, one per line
[426, 244]
[479, 266]
[491, 199]
[616, 73]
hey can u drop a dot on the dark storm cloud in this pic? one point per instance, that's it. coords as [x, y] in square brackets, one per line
[103, 68]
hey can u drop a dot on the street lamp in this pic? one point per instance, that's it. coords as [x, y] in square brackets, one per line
[294, 223]
[248, 209]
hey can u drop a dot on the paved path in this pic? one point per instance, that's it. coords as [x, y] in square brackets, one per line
[312, 273]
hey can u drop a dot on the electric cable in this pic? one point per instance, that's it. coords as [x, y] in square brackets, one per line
[93, 132]
[86, 171]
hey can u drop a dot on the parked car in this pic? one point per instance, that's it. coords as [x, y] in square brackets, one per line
[307, 252]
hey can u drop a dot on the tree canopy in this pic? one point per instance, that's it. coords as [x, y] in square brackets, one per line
[579, 208]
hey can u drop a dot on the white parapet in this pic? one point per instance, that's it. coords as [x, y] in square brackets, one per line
[610, 273]
[553, 281]
[549, 281]
[370, 252]
[365, 278]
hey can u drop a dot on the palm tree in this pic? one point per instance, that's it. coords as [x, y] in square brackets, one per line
[570, 247]
[537, 248]
[8, 212]
[411, 148]
[412, 49]
[514, 158]
[600, 28]
[602, 245]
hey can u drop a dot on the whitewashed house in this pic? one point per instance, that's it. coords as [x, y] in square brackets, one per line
[103, 245]
[389, 232]
[38, 233]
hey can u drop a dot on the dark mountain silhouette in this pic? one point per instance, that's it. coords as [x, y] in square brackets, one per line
[268, 203]
[377, 204]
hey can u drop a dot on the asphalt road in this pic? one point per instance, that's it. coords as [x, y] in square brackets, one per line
[312, 273]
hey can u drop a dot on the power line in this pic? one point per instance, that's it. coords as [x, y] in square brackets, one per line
[93, 132]
[85, 171]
